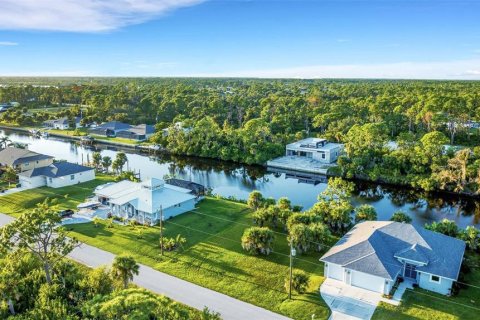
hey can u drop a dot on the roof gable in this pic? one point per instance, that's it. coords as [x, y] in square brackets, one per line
[379, 243]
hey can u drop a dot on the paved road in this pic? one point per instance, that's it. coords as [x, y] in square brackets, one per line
[175, 288]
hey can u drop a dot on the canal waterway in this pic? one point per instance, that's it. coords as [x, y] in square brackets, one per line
[234, 180]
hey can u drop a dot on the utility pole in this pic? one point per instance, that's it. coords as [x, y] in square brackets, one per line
[292, 254]
[161, 230]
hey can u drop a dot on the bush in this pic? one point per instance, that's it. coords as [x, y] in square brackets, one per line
[300, 281]
[258, 240]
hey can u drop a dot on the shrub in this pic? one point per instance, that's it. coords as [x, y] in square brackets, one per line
[300, 281]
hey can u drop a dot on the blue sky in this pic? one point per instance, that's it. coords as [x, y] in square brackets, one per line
[259, 38]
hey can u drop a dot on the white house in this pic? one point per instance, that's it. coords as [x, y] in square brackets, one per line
[373, 254]
[315, 148]
[62, 123]
[56, 175]
[146, 201]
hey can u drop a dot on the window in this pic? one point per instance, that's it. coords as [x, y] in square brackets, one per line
[323, 155]
[72, 176]
[50, 179]
[434, 278]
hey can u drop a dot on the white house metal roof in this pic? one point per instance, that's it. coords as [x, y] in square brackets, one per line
[147, 196]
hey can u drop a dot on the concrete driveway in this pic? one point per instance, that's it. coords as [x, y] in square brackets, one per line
[347, 302]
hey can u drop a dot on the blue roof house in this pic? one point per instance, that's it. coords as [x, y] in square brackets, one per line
[146, 202]
[57, 175]
[373, 254]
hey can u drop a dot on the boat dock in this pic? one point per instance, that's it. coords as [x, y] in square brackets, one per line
[302, 164]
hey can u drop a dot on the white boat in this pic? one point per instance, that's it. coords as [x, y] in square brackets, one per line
[89, 204]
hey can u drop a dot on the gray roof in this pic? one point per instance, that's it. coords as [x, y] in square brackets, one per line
[55, 170]
[15, 156]
[141, 129]
[113, 125]
[374, 246]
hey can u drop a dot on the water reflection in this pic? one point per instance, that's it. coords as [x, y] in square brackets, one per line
[230, 179]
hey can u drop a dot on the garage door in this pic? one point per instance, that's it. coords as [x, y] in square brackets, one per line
[367, 281]
[335, 271]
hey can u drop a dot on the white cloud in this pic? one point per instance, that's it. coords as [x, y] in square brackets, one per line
[82, 15]
[8, 43]
[459, 69]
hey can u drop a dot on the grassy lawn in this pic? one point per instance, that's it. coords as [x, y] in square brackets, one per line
[213, 257]
[422, 304]
[84, 132]
[68, 198]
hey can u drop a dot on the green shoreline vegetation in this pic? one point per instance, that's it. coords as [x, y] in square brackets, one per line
[250, 121]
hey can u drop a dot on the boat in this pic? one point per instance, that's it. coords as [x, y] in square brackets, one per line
[89, 205]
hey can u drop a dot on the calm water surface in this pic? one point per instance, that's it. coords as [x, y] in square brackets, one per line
[228, 179]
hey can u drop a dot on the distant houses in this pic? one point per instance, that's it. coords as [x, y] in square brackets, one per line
[123, 130]
[5, 106]
[62, 124]
[145, 202]
[38, 170]
[177, 126]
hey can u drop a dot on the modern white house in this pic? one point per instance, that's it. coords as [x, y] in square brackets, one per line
[62, 123]
[146, 201]
[373, 254]
[56, 175]
[315, 148]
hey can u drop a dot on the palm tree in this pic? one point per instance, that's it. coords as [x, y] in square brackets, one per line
[257, 240]
[96, 159]
[121, 159]
[106, 162]
[4, 142]
[125, 267]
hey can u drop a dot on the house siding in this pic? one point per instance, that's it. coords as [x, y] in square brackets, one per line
[67, 181]
[34, 164]
[32, 182]
[175, 211]
[444, 287]
[123, 210]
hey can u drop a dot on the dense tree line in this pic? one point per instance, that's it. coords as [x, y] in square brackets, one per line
[250, 121]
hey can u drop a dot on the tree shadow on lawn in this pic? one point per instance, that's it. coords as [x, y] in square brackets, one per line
[227, 273]
[89, 230]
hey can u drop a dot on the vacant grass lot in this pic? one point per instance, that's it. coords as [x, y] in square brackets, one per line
[214, 258]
